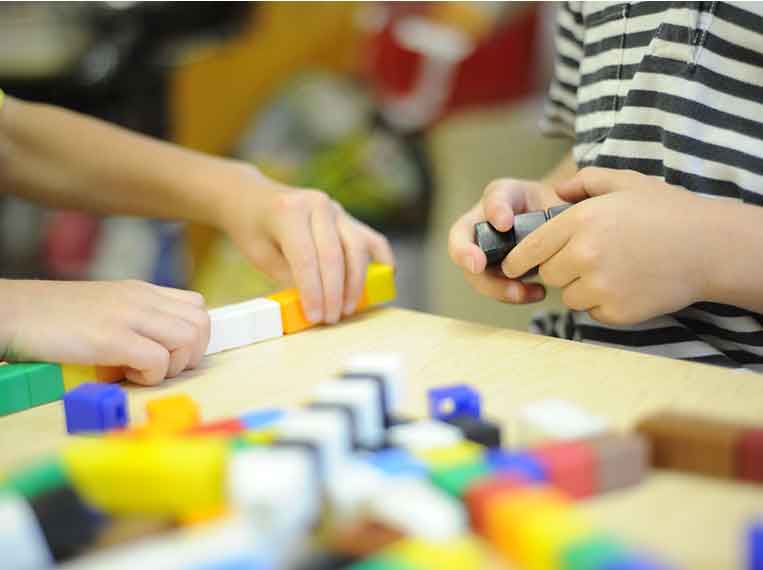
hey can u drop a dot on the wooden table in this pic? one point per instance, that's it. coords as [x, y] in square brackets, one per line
[695, 521]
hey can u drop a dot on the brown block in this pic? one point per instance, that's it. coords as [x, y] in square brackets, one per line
[750, 455]
[622, 460]
[692, 443]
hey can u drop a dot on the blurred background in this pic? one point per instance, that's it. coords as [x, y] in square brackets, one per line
[402, 112]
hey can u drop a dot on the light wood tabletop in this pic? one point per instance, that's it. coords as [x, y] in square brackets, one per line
[693, 521]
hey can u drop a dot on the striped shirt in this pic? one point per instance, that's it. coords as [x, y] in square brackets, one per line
[675, 90]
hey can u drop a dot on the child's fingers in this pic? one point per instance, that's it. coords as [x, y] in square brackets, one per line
[146, 361]
[330, 260]
[356, 261]
[171, 332]
[461, 247]
[501, 200]
[379, 246]
[197, 318]
[505, 290]
[560, 270]
[179, 360]
[579, 297]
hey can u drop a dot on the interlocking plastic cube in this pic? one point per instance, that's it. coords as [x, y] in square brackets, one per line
[173, 413]
[519, 464]
[571, 466]
[449, 402]
[95, 407]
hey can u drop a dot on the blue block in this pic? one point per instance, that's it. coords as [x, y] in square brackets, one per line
[450, 402]
[634, 562]
[257, 419]
[755, 546]
[237, 562]
[93, 407]
[398, 462]
[520, 463]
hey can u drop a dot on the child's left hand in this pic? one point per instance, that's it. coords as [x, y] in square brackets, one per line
[632, 249]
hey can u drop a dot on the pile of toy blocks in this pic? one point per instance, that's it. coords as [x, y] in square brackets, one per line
[342, 482]
[24, 385]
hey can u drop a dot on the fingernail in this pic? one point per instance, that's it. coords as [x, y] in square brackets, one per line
[314, 316]
[512, 292]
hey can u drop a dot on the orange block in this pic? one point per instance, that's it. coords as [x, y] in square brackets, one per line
[172, 414]
[292, 316]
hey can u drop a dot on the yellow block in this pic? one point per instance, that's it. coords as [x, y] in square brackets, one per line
[544, 534]
[507, 513]
[173, 414]
[259, 436]
[76, 374]
[159, 476]
[379, 287]
[463, 553]
[452, 455]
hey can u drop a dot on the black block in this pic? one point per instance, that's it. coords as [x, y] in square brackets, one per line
[479, 431]
[496, 245]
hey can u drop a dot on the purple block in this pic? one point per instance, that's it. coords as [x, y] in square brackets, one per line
[450, 402]
[755, 546]
[94, 407]
[519, 463]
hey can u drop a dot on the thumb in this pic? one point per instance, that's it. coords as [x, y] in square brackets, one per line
[593, 181]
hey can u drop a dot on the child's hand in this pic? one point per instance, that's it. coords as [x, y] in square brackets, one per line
[154, 332]
[501, 200]
[303, 237]
[631, 252]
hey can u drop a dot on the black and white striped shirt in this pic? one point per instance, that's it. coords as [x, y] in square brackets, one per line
[675, 90]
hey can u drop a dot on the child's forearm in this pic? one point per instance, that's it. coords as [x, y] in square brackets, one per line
[64, 159]
[733, 245]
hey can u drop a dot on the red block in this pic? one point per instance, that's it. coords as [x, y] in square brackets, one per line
[571, 467]
[221, 427]
[479, 495]
[749, 455]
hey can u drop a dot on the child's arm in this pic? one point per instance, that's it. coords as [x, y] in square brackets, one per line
[64, 159]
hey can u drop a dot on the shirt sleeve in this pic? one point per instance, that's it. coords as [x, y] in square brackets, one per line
[561, 103]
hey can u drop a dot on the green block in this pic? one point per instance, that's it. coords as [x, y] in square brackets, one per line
[37, 478]
[46, 383]
[382, 563]
[455, 480]
[591, 553]
[14, 389]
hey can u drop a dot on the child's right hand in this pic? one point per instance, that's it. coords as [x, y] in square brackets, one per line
[501, 200]
[153, 332]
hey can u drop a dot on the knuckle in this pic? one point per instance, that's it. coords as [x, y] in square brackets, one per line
[290, 202]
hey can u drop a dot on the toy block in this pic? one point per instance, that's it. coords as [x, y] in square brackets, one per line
[238, 325]
[461, 553]
[14, 389]
[363, 538]
[95, 407]
[483, 491]
[455, 480]
[397, 462]
[461, 453]
[417, 509]
[517, 464]
[279, 487]
[479, 431]
[293, 317]
[591, 553]
[749, 455]
[75, 374]
[154, 476]
[545, 534]
[507, 512]
[384, 369]
[570, 465]
[36, 478]
[382, 562]
[204, 516]
[325, 432]
[222, 428]
[320, 560]
[622, 460]
[379, 287]
[630, 561]
[21, 539]
[173, 414]
[424, 434]
[361, 398]
[67, 524]
[45, 382]
[552, 420]
[257, 419]
[754, 546]
[351, 488]
[450, 402]
[691, 443]
[258, 437]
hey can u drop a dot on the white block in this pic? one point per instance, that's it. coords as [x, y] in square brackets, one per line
[424, 434]
[362, 396]
[244, 323]
[419, 510]
[553, 419]
[325, 429]
[22, 544]
[277, 487]
[352, 488]
[387, 365]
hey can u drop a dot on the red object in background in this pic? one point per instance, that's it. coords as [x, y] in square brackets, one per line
[749, 458]
[483, 492]
[571, 467]
[69, 244]
[220, 427]
[500, 68]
